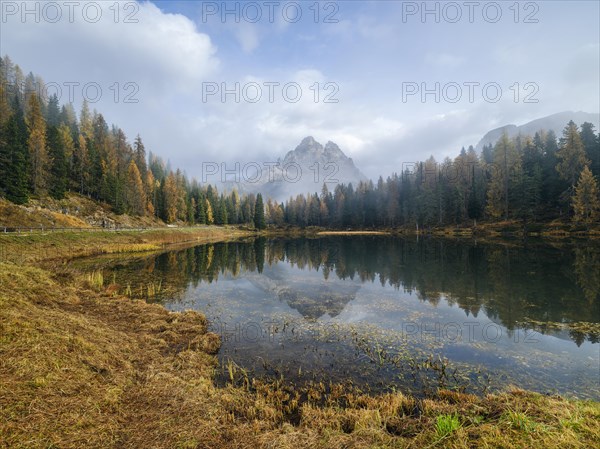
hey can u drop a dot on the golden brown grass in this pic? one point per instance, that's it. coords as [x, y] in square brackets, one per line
[61, 246]
[73, 211]
[81, 368]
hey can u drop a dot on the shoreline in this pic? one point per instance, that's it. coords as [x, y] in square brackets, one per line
[82, 367]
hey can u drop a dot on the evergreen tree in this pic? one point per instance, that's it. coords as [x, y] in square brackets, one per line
[571, 155]
[201, 210]
[69, 118]
[586, 203]
[53, 111]
[259, 213]
[140, 156]
[85, 121]
[58, 170]
[65, 141]
[506, 170]
[529, 184]
[14, 155]
[591, 144]
[81, 165]
[552, 184]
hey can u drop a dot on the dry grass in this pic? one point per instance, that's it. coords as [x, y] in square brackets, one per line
[74, 210]
[62, 246]
[81, 368]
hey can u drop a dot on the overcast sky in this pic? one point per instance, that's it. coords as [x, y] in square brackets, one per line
[369, 57]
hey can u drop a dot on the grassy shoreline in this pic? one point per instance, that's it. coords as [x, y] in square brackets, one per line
[36, 247]
[80, 367]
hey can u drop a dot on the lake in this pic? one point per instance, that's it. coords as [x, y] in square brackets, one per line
[386, 313]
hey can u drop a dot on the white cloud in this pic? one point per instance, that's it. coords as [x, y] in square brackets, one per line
[368, 56]
[247, 35]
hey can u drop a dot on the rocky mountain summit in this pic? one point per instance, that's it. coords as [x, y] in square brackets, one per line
[305, 169]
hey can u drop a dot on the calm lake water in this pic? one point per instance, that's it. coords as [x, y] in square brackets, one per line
[388, 313]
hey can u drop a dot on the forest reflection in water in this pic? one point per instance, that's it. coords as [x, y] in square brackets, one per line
[274, 299]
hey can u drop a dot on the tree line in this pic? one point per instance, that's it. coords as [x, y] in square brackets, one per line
[533, 179]
[47, 149]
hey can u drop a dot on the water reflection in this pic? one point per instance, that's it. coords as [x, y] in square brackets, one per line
[513, 284]
[386, 311]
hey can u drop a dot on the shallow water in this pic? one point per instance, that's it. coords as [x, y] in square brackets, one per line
[388, 313]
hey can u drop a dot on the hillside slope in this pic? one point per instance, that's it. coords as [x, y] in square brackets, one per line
[75, 211]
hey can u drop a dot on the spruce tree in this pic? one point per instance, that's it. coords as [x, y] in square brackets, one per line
[16, 154]
[58, 170]
[586, 203]
[505, 172]
[259, 213]
[591, 144]
[571, 155]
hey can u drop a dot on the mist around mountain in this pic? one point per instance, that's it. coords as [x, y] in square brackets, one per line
[555, 122]
[304, 170]
[47, 150]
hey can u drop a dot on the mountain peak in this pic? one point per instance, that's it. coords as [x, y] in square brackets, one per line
[310, 151]
[308, 141]
[332, 150]
[316, 165]
[309, 146]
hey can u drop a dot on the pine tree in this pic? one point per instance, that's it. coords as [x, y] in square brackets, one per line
[85, 121]
[81, 165]
[586, 203]
[69, 118]
[200, 210]
[5, 107]
[259, 213]
[140, 156]
[5, 150]
[528, 190]
[591, 144]
[38, 154]
[571, 155]
[58, 170]
[53, 111]
[15, 151]
[506, 170]
[65, 140]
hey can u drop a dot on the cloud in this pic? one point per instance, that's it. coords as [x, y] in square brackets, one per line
[368, 55]
[444, 60]
[247, 35]
[161, 53]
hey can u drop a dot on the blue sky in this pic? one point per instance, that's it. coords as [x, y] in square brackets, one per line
[369, 55]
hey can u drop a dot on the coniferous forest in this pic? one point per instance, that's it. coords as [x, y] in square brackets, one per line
[50, 149]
